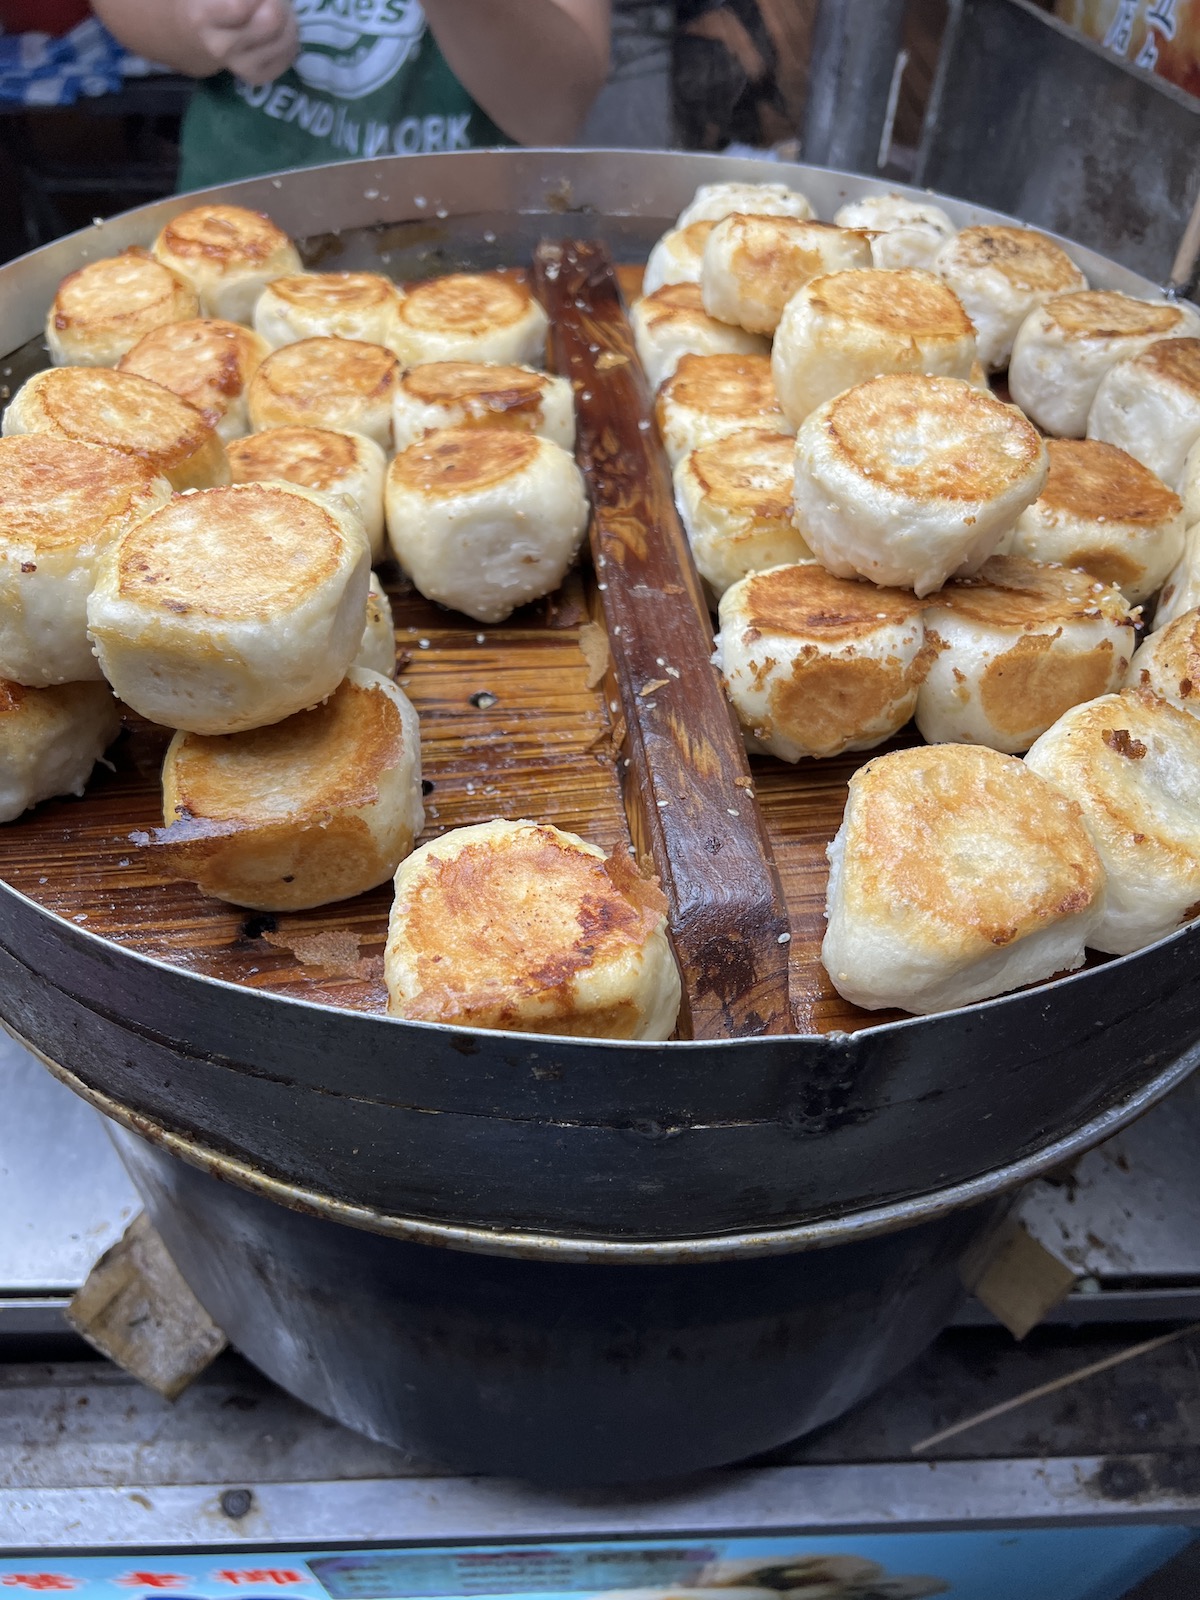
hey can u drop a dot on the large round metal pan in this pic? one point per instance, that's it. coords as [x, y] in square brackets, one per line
[620, 1142]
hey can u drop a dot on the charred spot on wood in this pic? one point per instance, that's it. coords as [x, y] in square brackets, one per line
[254, 927]
[1122, 743]
[427, 786]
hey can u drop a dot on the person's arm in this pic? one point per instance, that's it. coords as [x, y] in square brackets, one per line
[535, 66]
[255, 39]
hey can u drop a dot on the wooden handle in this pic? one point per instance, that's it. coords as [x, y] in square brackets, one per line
[688, 790]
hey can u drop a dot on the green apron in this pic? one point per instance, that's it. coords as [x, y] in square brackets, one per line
[369, 80]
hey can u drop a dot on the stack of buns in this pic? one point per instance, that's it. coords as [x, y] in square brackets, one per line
[192, 499]
[946, 562]
[223, 594]
[193, 496]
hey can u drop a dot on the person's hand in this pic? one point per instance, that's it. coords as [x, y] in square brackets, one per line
[255, 39]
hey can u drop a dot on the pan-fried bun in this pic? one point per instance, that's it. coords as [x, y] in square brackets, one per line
[814, 665]
[377, 652]
[61, 505]
[520, 926]
[904, 233]
[232, 608]
[1132, 762]
[482, 394]
[712, 201]
[677, 257]
[847, 327]
[1181, 592]
[1014, 647]
[228, 255]
[709, 397]
[483, 519]
[1149, 405]
[335, 305]
[1001, 274]
[736, 505]
[1103, 511]
[123, 412]
[1168, 664]
[957, 873]
[100, 311]
[327, 383]
[207, 362]
[317, 808]
[906, 479]
[672, 323]
[335, 462]
[470, 316]
[754, 265]
[1189, 486]
[50, 739]
[1065, 346]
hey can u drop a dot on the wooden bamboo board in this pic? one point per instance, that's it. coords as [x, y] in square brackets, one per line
[513, 724]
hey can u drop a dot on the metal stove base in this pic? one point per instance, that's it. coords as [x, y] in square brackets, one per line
[89, 1460]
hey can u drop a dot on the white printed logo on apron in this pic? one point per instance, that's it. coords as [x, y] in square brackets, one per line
[350, 48]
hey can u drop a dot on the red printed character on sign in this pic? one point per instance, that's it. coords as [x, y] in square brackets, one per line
[39, 1580]
[276, 1575]
[151, 1580]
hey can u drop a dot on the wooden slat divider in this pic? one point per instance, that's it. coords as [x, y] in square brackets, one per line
[688, 790]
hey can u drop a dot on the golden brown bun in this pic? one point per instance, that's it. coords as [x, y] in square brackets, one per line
[754, 265]
[377, 652]
[336, 305]
[50, 739]
[957, 874]
[1103, 511]
[1149, 405]
[520, 926]
[62, 504]
[1168, 664]
[672, 323]
[228, 255]
[1064, 348]
[100, 311]
[708, 397]
[1001, 274]
[330, 461]
[232, 608]
[207, 362]
[317, 808]
[906, 479]
[126, 413]
[482, 394]
[678, 257]
[712, 201]
[1132, 761]
[1015, 647]
[735, 501]
[470, 316]
[484, 519]
[327, 383]
[815, 665]
[846, 327]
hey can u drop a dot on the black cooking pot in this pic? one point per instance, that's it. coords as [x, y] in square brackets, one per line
[561, 1371]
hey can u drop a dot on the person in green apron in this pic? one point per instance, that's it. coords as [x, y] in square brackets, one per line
[292, 83]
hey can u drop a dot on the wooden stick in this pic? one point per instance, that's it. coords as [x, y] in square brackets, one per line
[688, 789]
[1065, 1382]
